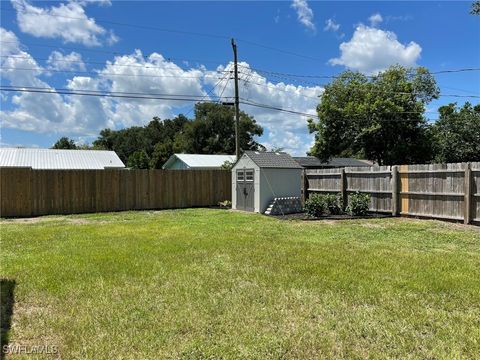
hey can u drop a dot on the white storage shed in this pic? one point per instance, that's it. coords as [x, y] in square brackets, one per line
[258, 178]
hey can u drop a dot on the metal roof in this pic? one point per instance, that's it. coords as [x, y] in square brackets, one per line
[200, 160]
[270, 159]
[313, 162]
[53, 159]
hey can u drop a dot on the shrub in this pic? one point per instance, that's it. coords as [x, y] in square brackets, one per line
[358, 204]
[315, 205]
[333, 204]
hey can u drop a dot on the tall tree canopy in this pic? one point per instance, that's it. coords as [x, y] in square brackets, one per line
[211, 131]
[457, 134]
[379, 117]
[475, 8]
[65, 143]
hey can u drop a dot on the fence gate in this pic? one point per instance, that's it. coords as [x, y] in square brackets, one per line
[245, 189]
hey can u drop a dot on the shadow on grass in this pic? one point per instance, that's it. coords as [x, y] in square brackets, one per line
[7, 300]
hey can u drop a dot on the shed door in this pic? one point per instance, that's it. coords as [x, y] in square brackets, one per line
[245, 189]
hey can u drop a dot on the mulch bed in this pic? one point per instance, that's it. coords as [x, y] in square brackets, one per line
[304, 216]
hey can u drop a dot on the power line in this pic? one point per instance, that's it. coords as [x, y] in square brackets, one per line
[115, 94]
[170, 97]
[102, 63]
[104, 91]
[253, 103]
[136, 26]
[103, 73]
[211, 92]
[115, 53]
[275, 73]
[378, 91]
[183, 32]
[273, 86]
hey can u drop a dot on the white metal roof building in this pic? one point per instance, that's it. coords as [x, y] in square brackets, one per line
[53, 159]
[197, 161]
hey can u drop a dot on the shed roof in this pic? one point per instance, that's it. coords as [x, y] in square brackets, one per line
[271, 159]
[201, 160]
[313, 162]
[55, 159]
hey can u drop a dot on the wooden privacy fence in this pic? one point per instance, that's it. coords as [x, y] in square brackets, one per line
[27, 192]
[442, 191]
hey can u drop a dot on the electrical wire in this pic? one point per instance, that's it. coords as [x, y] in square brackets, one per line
[226, 76]
[172, 97]
[115, 53]
[100, 63]
[103, 73]
[103, 92]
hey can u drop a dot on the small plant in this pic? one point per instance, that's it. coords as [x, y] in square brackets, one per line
[315, 206]
[225, 204]
[358, 204]
[333, 203]
[227, 165]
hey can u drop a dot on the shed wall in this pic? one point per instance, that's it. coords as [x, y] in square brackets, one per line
[278, 183]
[177, 165]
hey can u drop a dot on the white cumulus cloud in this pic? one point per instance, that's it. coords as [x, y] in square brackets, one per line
[331, 25]
[59, 61]
[152, 74]
[304, 14]
[375, 19]
[371, 50]
[68, 22]
[85, 116]
[283, 129]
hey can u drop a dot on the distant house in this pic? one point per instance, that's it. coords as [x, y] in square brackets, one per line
[197, 161]
[311, 162]
[54, 159]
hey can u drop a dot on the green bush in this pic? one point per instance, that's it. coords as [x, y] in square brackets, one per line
[315, 206]
[358, 204]
[333, 203]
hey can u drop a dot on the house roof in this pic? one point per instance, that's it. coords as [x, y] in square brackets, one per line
[53, 159]
[271, 159]
[313, 162]
[200, 160]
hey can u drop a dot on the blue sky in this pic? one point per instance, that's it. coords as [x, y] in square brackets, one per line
[87, 45]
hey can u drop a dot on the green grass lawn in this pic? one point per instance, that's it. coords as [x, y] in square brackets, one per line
[203, 283]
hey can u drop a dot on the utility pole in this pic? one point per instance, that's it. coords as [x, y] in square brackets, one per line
[237, 102]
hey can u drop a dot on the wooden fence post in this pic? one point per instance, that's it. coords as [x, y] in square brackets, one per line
[343, 188]
[305, 186]
[468, 195]
[395, 197]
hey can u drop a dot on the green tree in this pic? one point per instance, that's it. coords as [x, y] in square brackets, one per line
[379, 117]
[475, 8]
[227, 165]
[212, 131]
[126, 141]
[161, 153]
[138, 160]
[457, 134]
[65, 143]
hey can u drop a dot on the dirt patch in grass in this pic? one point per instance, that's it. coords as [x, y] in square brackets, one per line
[305, 217]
